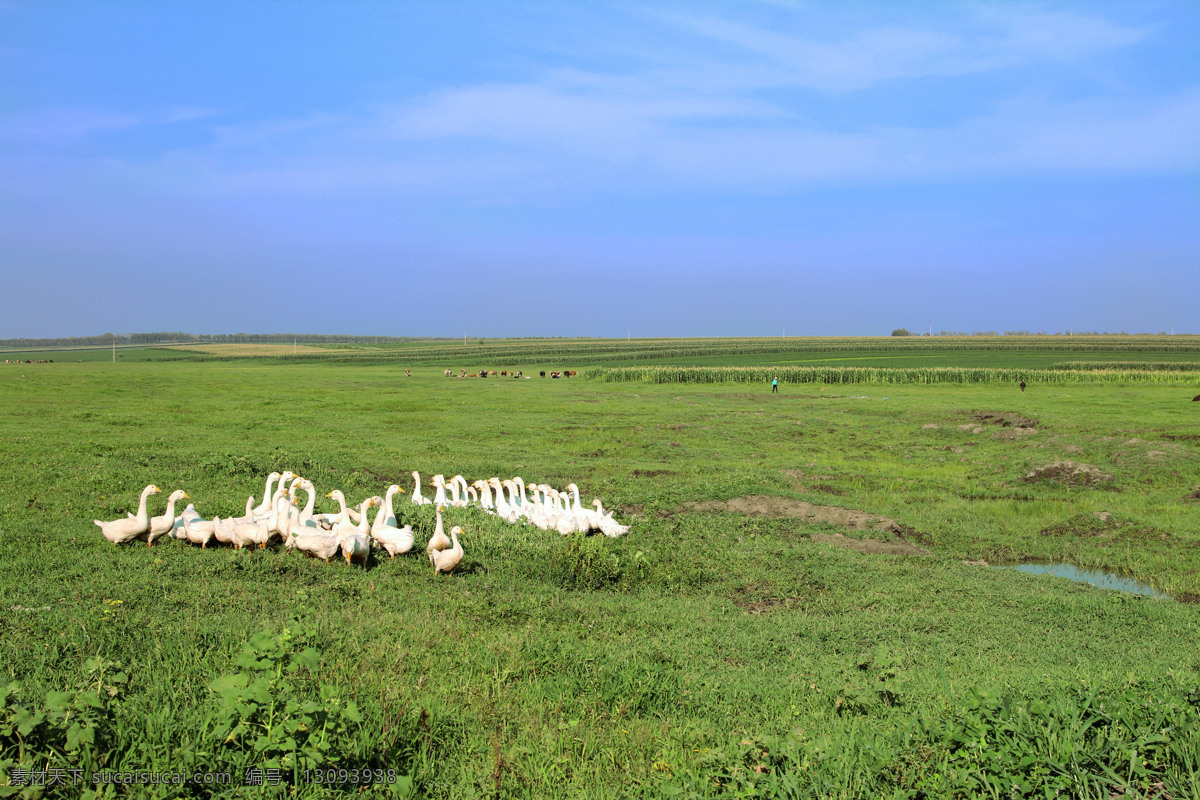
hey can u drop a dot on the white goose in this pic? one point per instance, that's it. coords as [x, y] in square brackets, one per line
[355, 540]
[485, 496]
[342, 513]
[458, 498]
[446, 560]
[197, 530]
[177, 530]
[120, 531]
[314, 541]
[223, 531]
[254, 532]
[264, 507]
[165, 522]
[417, 498]
[384, 531]
[502, 507]
[439, 497]
[439, 541]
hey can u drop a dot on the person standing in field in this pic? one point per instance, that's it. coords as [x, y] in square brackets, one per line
[775, 385]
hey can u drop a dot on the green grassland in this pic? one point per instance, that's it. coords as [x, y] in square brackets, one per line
[709, 652]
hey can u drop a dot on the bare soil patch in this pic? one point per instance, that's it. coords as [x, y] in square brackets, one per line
[787, 508]
[760, 598]
[871, 546]
[1006, 419]
[1015, 433]
[1071, 473]
[1106, 529]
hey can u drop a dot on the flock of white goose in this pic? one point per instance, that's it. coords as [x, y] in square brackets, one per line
[281, 517]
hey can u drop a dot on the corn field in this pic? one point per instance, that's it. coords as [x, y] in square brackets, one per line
[889, 375]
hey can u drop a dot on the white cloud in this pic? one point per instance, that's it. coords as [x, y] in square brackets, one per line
[991, 38]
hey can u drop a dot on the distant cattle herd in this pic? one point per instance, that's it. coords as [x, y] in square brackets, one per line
[19, 361]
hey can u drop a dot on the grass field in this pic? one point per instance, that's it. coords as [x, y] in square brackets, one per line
[750, 637]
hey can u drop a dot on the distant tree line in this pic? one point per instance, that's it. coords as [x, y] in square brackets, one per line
[175, 337]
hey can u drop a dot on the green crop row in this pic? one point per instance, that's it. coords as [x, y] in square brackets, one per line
[885, 375]
[505, 352]
[1154, 366]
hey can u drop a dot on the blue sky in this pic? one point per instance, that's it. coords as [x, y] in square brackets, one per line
[549, 169]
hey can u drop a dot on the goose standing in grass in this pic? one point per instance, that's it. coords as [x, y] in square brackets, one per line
[394, 539]
[342, 513]
[417, 498]
[515, 513]
[485, 496]
[355, 540]
[254, 532]
[223, 531]
[177, 530]
[165, 522]
[503, 509]
[446, 560]
[126, 529]
[265, 506]
[314, 541]
[439, 540]
[439, 497]
[197, 530]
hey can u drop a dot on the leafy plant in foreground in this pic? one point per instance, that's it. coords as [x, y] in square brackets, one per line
[267, 716]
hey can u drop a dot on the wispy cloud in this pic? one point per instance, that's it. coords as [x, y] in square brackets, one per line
[734, 117]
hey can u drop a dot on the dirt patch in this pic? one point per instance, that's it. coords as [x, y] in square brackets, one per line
[1072, 473]
[971, 428]
[651, 473]
[980, 563]
[787, 508]
[1005, 419]
[1192, 496]
[929, 427]
[760, 598]
[1188, 597]
[1106, 527]
[871, 546]
[635, 510]
[1015, 433]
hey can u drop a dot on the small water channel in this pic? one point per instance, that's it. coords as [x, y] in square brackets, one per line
[1104, 580]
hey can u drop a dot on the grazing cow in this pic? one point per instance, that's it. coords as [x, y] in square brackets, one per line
[571, 373]
[483, 373]
[448, 373]
[1196, 398]
[1022, 386]
[542, 373]
[472, 375]
[503, 373]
